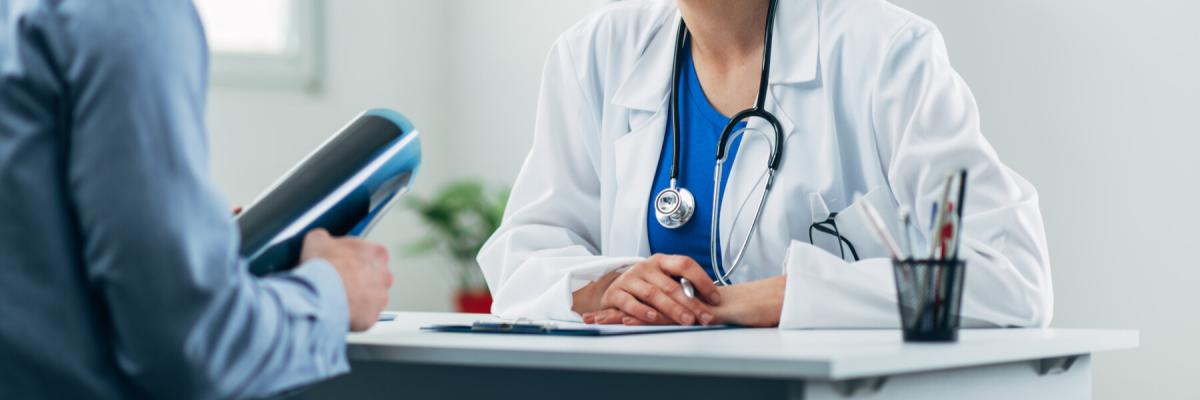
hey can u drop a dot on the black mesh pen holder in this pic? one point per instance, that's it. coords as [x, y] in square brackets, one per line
[929, 295]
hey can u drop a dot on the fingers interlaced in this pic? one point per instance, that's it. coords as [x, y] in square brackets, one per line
[630, 305]
[650, 293]
[653, 296]
[688, 268]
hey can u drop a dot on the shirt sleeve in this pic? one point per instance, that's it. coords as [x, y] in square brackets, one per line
[926, 122]
[159, 244]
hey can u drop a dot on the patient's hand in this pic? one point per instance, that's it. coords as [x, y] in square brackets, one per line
[755, 304]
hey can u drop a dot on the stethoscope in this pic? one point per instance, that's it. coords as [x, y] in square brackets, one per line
[674, 206]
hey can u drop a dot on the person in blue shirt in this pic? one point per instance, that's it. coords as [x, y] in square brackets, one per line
[119, 273]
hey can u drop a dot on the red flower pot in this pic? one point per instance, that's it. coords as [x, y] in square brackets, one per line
[476, 301]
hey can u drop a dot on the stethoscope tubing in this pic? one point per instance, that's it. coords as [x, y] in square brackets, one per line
[727, 135]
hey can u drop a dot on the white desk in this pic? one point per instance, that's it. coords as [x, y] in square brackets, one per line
[396, 360]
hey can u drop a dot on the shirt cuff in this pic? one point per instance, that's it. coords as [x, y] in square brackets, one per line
[331, 313]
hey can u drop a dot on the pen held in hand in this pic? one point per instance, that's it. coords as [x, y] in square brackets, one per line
[688, 289]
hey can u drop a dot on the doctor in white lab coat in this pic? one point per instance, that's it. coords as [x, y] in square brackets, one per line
[869, 104]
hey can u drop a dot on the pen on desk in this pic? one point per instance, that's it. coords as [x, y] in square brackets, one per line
[881, 230]
[962, 199]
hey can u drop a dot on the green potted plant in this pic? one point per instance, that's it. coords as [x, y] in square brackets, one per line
[461, 217]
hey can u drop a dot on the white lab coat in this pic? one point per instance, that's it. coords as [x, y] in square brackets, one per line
[868, 101]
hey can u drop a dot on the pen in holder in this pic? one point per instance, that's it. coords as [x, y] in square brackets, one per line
[929, 295]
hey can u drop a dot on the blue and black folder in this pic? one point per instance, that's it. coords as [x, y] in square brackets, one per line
[344, 186]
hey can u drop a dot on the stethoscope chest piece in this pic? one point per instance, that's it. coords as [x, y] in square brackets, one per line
[673, 207]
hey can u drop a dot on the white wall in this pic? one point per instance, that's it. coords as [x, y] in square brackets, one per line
[1091, 100]
[378, 54]
[498, 50]
[1095, 102]
[465, 71]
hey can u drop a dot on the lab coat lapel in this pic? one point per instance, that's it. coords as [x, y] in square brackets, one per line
[796, 50]
[644, 94]
[636, 156]
[646, 86]
[795, 59]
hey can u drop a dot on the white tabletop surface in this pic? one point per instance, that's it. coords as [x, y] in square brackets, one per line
[765, 353]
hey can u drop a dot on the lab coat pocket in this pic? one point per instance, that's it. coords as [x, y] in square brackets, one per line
[848, 233]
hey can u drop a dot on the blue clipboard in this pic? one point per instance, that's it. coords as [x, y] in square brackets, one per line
[566, 328]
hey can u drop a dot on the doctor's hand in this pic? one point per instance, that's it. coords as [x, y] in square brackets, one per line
[363, 267]
[648, 293]
[755, 304]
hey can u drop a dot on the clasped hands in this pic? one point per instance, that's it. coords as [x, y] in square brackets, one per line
[649, 293]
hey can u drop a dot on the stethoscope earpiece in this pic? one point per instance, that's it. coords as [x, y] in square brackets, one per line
[673, 207]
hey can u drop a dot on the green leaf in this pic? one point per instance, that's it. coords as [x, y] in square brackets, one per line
[461, 216]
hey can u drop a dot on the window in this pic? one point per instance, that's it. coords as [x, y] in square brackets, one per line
[263, 42]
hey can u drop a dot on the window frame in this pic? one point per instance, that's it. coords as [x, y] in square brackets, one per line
[298, 67]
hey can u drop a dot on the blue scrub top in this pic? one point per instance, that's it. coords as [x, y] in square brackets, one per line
[702, 125]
